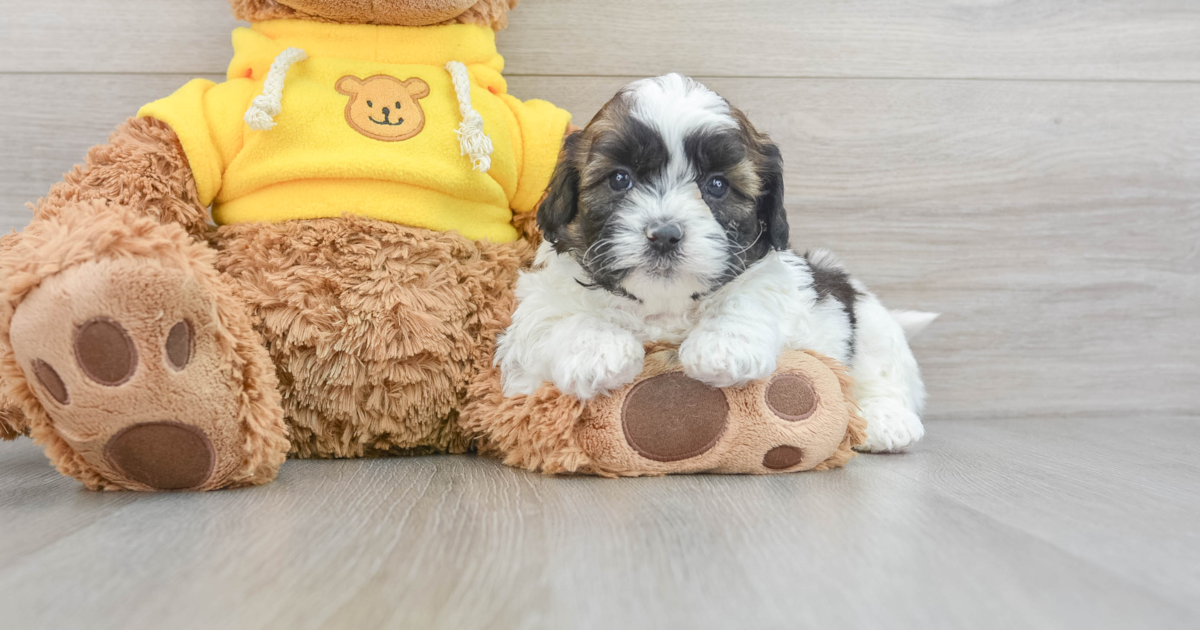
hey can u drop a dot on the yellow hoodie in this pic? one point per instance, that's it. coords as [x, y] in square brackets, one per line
[366, 120]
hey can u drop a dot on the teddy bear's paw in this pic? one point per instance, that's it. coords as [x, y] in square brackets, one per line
[134, 370]
[891, 426]
[668, 422]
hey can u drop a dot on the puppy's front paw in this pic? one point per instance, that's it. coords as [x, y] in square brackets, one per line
[891, 426]
[598, 363]
[726, 360]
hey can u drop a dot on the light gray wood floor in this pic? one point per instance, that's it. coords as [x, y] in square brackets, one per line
[1088, 523]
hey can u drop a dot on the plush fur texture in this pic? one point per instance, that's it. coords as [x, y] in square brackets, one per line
[349, 336]
[550, 432]
[374, 327]
[92, 232]
[669, 159]
[13, 423]
[141, 168]
[490, 13]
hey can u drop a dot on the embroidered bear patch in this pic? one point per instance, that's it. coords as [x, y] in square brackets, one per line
[383, 107]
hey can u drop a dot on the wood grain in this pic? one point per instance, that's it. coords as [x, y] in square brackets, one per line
[993, 524]
[1054, 224]
[1084, 491]
[1032, 39]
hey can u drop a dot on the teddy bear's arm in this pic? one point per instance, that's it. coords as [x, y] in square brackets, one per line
[141, 169]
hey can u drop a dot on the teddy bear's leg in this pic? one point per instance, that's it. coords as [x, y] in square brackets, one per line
[802, 417]
[132, 361]
[375, 326]
[13, 423]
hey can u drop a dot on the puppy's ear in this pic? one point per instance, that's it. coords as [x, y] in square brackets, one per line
[769, 204]
[562, 197]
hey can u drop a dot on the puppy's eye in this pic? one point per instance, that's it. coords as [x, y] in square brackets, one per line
[397, 104]
[620, 181]
[716, 186]
[370, 104]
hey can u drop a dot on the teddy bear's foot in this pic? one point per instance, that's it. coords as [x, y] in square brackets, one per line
[799, 418]
[141, 381]
[123, 357]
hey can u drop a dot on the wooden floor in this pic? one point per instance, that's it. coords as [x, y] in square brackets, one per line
[1088, 523]
[1030, 169]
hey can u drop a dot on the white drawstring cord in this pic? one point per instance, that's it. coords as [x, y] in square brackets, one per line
[266, 106]
[471, 139]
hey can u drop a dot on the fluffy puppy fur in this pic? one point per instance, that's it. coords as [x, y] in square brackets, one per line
[664, 222]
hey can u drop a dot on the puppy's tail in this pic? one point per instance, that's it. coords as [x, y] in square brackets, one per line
[913, 322]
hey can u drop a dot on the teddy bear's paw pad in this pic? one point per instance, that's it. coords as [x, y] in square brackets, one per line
[671, 417]
[162, 455]
[791, 421]
[129, 364]
[105, 352]
[783, 457]
[791, 397]
[179, 345]
[51, 381]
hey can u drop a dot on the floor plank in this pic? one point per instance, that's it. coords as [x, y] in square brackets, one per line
[971, 529]
[1054, 225]
[1108, 492]
[1048, 39]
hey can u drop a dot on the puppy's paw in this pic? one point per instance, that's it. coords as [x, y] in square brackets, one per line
[726, 360]
[598, 363]
[891, 426]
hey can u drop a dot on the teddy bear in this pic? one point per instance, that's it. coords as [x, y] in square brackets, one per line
[373, 187]
[373, 184]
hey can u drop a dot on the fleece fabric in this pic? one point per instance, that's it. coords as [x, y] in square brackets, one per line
[334, 149]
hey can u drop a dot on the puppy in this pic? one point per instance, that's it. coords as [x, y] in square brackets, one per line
[664, 221]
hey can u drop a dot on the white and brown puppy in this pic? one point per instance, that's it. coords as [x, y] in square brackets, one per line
[665, 222]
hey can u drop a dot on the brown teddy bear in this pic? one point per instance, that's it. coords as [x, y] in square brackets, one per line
[373, 182]
[374, 185]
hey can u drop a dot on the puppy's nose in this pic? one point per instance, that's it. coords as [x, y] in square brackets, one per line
[386, 111]
[664, 238]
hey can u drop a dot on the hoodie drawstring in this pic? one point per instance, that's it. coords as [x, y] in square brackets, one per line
[266, 106]
[471, 139]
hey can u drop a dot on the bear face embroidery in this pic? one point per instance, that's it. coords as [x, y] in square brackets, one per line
[383, 107]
